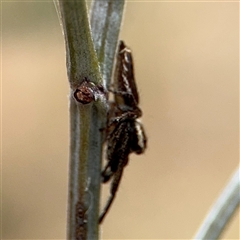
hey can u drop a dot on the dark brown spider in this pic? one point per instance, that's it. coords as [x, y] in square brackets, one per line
[125, 134]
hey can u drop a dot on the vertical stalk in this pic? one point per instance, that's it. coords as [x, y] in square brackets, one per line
[106, 20]
[86, 120]
[87, 103]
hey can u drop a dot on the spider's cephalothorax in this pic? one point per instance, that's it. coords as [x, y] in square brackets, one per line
[125, 134]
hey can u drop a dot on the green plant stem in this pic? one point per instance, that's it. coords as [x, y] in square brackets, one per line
[222, 210]
[106, 19]
[85, 122]
[81, 56]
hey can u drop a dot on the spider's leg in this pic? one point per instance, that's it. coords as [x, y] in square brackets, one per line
[118, 152]
[114, 188]
[109, 170]
[107, 173]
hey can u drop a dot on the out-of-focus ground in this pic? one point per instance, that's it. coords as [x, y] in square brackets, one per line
[187, 64]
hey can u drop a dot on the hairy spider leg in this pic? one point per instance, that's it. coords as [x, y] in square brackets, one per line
[119, 148]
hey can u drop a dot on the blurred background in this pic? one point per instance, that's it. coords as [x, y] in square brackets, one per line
[187, 68]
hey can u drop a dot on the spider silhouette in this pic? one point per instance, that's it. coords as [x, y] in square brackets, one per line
[125, 133]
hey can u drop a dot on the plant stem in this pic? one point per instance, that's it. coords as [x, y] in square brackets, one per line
[222, 211]
[86, 120]
[106, 19]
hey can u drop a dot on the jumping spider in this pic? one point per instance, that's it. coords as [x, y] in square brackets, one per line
[125, 134]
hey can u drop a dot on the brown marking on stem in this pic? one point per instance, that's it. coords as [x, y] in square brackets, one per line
[81, 222]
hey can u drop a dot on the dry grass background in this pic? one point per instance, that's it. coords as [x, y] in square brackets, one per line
[186, 62]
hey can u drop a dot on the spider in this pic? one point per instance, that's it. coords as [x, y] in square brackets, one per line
[125, 134]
